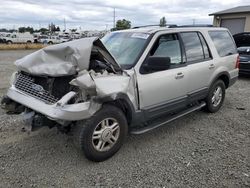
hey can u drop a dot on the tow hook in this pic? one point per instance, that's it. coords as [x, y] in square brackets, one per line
[33, 121]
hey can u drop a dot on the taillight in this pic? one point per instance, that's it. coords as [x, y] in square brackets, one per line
[237, 65]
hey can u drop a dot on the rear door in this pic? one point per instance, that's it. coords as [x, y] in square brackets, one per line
[200, 65]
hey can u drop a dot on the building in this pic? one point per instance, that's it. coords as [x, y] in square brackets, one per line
[236, 19]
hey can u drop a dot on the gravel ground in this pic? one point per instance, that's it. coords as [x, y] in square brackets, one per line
[199, 150]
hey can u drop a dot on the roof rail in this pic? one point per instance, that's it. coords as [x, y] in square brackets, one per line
[157, 25]
[196, 25]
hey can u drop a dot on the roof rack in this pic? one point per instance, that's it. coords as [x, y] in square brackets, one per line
[196, 25]
[157, 25]
[174, 25]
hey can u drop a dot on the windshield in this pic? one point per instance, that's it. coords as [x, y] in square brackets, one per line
[125, 46]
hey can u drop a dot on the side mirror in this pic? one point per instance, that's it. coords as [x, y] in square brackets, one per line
[156, 63]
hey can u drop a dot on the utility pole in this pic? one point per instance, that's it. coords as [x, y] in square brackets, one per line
[193, 21]
[64, 20]
[114, 19]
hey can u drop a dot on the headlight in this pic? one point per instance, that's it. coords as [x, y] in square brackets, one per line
[13, 78]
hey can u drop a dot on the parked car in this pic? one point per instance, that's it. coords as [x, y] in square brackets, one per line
[2, 40]
[132, 81]
[19, 38]
[49, 40]
[242, 41]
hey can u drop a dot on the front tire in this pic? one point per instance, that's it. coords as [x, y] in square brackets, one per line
[216, 96]
[101, 136]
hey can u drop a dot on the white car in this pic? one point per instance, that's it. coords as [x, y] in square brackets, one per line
[49, 40]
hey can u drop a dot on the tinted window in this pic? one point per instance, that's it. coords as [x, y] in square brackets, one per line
[205, 47]
[193, 47]
[168, 46]
[223, 42]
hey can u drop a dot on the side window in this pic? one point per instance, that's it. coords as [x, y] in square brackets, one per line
[205, 47]
[168, 46]
[193, 47]
[223, 43]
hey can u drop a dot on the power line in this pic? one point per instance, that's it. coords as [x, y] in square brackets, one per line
[64, 20]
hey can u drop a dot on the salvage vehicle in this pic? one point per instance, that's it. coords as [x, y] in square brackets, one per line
[130, 81]
[242, 41]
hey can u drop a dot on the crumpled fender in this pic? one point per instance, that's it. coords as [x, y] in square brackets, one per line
[106, 85]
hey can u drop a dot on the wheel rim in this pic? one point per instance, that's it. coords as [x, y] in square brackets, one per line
[106, 134]
[217, 96]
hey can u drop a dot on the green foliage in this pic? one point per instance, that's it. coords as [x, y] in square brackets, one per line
[43, 30]
[163, 22]
[122, 24]
[25, 29]
[73, 30]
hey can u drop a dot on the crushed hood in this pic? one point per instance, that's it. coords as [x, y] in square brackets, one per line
[64, 59]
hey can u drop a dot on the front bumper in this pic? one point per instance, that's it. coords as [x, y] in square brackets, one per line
[58, 111]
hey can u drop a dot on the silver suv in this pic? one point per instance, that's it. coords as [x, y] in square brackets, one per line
[130, 81]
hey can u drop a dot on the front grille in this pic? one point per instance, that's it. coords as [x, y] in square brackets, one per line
[26, 84]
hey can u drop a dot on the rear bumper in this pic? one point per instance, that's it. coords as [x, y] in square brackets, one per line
[58, 111]
[232, 81]
[233, 76]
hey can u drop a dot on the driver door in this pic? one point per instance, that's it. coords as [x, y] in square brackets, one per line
[164, 91]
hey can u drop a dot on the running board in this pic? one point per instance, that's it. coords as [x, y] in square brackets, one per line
[172, 118]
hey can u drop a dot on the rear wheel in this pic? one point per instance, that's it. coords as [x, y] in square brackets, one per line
[50, 42]
[101, 136]
[216, 96]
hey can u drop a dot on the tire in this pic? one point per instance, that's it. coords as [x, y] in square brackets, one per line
[28, 42]
[9, 42]
[99, 149]
[215, 96]
[50, 42]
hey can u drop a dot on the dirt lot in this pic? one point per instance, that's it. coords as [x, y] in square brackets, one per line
[199, 150]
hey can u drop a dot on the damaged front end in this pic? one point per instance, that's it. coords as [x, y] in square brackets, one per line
[60, 84]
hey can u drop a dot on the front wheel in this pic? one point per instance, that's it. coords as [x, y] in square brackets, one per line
[216, 96]
[101, 136]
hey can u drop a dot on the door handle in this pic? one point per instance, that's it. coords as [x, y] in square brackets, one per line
[179, 75]
[211, 66]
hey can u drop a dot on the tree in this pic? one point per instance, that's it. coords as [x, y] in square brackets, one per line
[163, 22]
[73, 30]
[25, 29]
[43, 30]
[58, 28]
[123, 24]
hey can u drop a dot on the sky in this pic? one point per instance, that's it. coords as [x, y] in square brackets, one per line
[98, 14]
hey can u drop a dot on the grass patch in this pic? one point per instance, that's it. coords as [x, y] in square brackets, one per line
[21, 46]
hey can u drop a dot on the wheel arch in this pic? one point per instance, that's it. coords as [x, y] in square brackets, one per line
[121, 101]
[224, 76]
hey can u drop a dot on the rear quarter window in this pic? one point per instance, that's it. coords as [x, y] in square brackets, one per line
[223, 43]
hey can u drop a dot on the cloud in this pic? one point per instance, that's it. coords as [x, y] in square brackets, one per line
[97, 14]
